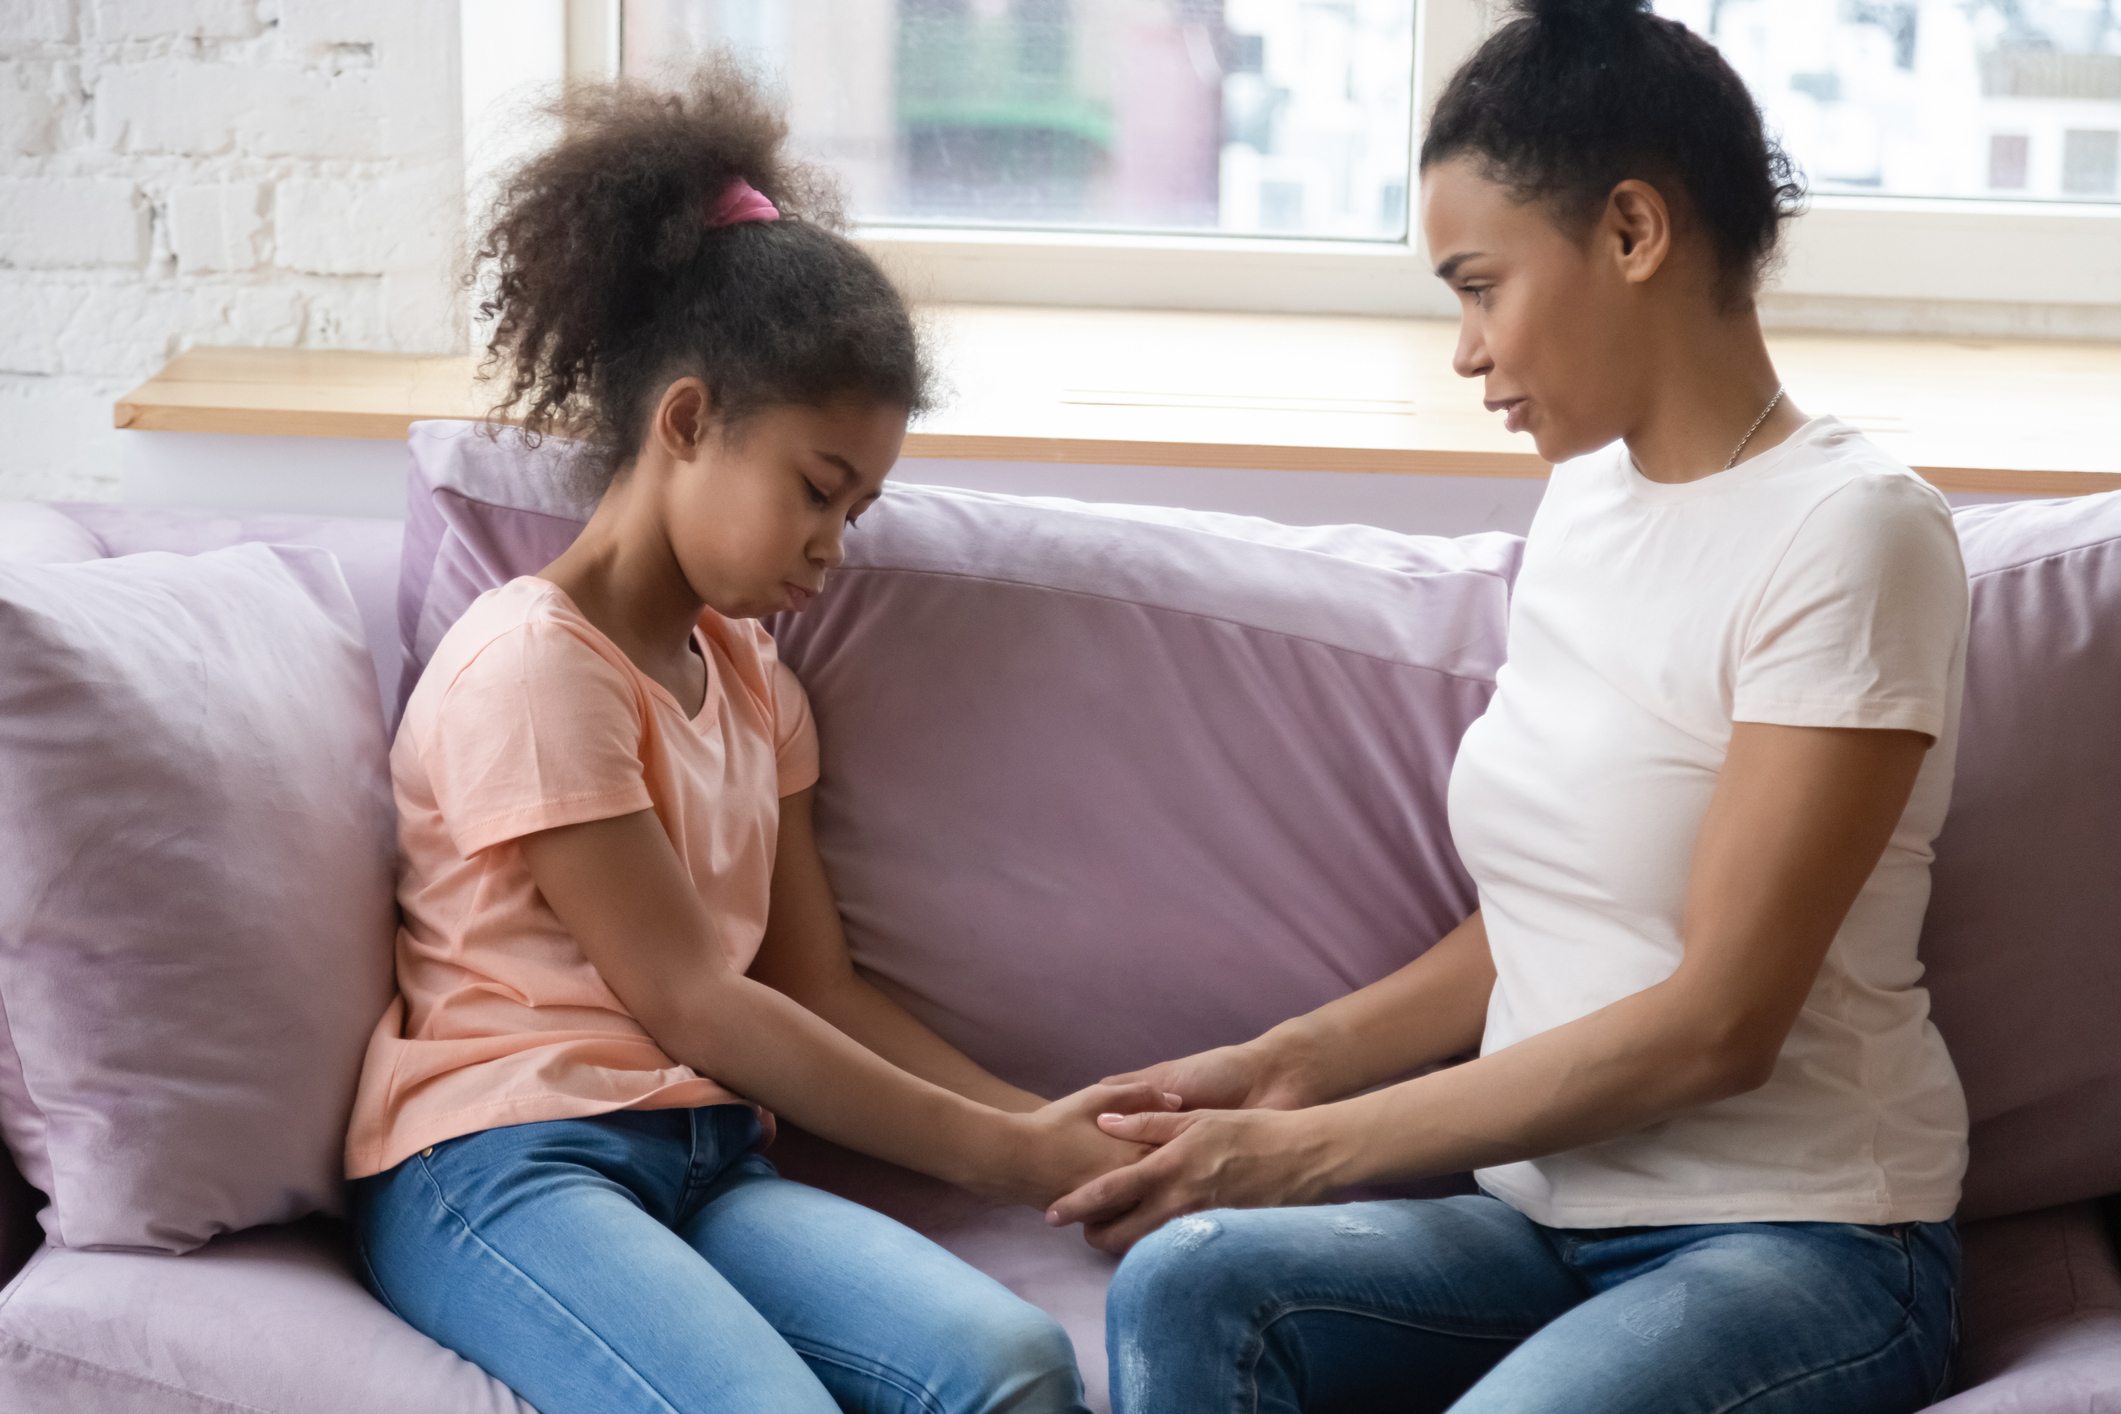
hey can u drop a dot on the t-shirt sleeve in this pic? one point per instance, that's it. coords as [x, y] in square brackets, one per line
[794, 731]
[537, 731]
[1862, 619]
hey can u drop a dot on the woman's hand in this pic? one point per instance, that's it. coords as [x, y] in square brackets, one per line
[1255, 1158]
[1060, 1147]
[1248, 1077]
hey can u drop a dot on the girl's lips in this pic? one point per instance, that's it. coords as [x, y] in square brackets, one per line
[1513, 413]
[798, 597]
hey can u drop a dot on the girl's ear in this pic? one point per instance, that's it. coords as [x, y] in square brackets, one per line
[683, 416]
[1637, 228]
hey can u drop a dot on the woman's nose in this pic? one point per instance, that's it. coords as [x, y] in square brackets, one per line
[1470, 359]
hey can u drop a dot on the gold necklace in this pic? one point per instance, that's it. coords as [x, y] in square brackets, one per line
[1754, 428]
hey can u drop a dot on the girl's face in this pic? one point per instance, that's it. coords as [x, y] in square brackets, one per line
[1544, 319]
[758, 518]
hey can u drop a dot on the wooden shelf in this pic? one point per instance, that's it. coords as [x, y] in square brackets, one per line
[1288, 392]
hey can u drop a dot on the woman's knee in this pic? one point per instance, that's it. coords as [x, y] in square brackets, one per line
[1207, 1259]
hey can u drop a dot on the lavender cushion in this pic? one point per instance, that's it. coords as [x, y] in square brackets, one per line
[482, 507]
[366, 549]
[2042, 1314]
[196, 895]
[2023, 939]
[1175, 775]
[268, 1321]
[34, 534]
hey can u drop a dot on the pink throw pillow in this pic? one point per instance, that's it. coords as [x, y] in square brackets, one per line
[34, 534]
[196, 888]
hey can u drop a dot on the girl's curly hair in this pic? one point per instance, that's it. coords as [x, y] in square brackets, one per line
[1573, 97]
[605, 281]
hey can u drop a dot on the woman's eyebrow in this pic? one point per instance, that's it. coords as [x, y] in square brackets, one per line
[1450, 267]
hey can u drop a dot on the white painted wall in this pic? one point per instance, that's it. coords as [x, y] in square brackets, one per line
[177, 172]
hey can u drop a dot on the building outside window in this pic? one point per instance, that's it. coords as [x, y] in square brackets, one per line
[1252, 117]
[1952, 98]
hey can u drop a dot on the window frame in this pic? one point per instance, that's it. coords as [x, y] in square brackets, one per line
[1974, 265]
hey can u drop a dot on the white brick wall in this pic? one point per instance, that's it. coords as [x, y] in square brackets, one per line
[179, 172]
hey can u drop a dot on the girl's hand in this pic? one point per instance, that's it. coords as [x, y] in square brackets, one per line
[1247, 1077]
[1060, 1147]
[1208, 1159]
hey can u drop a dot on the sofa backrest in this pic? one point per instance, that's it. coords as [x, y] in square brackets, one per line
[2023, 939]
[1078, 761]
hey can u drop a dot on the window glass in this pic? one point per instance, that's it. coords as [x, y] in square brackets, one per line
[1252, 117]
[2017, 99]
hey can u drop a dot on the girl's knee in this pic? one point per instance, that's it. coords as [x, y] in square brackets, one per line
[1022, 1363]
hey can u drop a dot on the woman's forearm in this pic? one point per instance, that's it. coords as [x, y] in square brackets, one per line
[856, 1007]
[1640, 1060]
[1432, 1009]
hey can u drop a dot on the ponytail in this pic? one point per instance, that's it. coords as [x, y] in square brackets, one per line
[608, 275]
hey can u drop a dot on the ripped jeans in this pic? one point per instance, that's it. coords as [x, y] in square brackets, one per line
[1467, 1305]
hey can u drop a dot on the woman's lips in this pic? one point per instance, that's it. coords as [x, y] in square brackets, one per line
[798, 597]
[1513, 413]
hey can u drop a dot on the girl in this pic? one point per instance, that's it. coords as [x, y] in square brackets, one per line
[1719, 1143]
[618, 939]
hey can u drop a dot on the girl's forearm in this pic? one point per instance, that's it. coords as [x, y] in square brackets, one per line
[858, 1008]
[1432, 1009]
[772, 1050]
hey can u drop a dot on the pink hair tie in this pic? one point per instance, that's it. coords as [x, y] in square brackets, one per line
[742, 202]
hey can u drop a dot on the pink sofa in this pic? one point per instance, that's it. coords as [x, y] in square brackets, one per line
[1104, 784]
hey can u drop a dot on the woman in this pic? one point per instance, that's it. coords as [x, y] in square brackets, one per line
[1719, 1143]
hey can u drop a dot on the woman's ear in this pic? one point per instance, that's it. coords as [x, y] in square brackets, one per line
[682, 417]
[1637, 228]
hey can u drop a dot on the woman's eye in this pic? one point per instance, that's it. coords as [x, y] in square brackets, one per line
[817, 497]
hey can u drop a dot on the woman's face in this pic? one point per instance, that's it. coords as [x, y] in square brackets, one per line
[757, 521]
[1544, 318]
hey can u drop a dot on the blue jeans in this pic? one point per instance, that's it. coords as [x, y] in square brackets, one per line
[1465, 1304]
[650, 1261]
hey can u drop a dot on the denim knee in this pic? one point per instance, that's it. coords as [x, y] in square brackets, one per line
[1196, 1261]
[1013, 1357]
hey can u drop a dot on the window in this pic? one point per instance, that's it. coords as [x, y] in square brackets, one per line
[1254, 117]
[999, 173]
[1967, 99]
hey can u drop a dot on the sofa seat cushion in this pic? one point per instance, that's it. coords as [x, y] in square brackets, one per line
[269, 1321]
[2042, 1312]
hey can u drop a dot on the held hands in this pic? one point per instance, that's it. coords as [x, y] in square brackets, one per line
[1207, 1159]
[1060, 1146]
[1247, 1077]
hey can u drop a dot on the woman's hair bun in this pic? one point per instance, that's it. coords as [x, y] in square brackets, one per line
[1583, 12]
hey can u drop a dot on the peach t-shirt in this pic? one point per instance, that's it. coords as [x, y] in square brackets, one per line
[529, 718]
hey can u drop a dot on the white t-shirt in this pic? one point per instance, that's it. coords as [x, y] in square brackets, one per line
[1818, 584]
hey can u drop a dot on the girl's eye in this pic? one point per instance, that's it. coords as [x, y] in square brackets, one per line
[817, 497]
[1478, 293]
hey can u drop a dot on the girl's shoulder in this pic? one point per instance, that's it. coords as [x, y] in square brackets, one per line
[526, 631]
